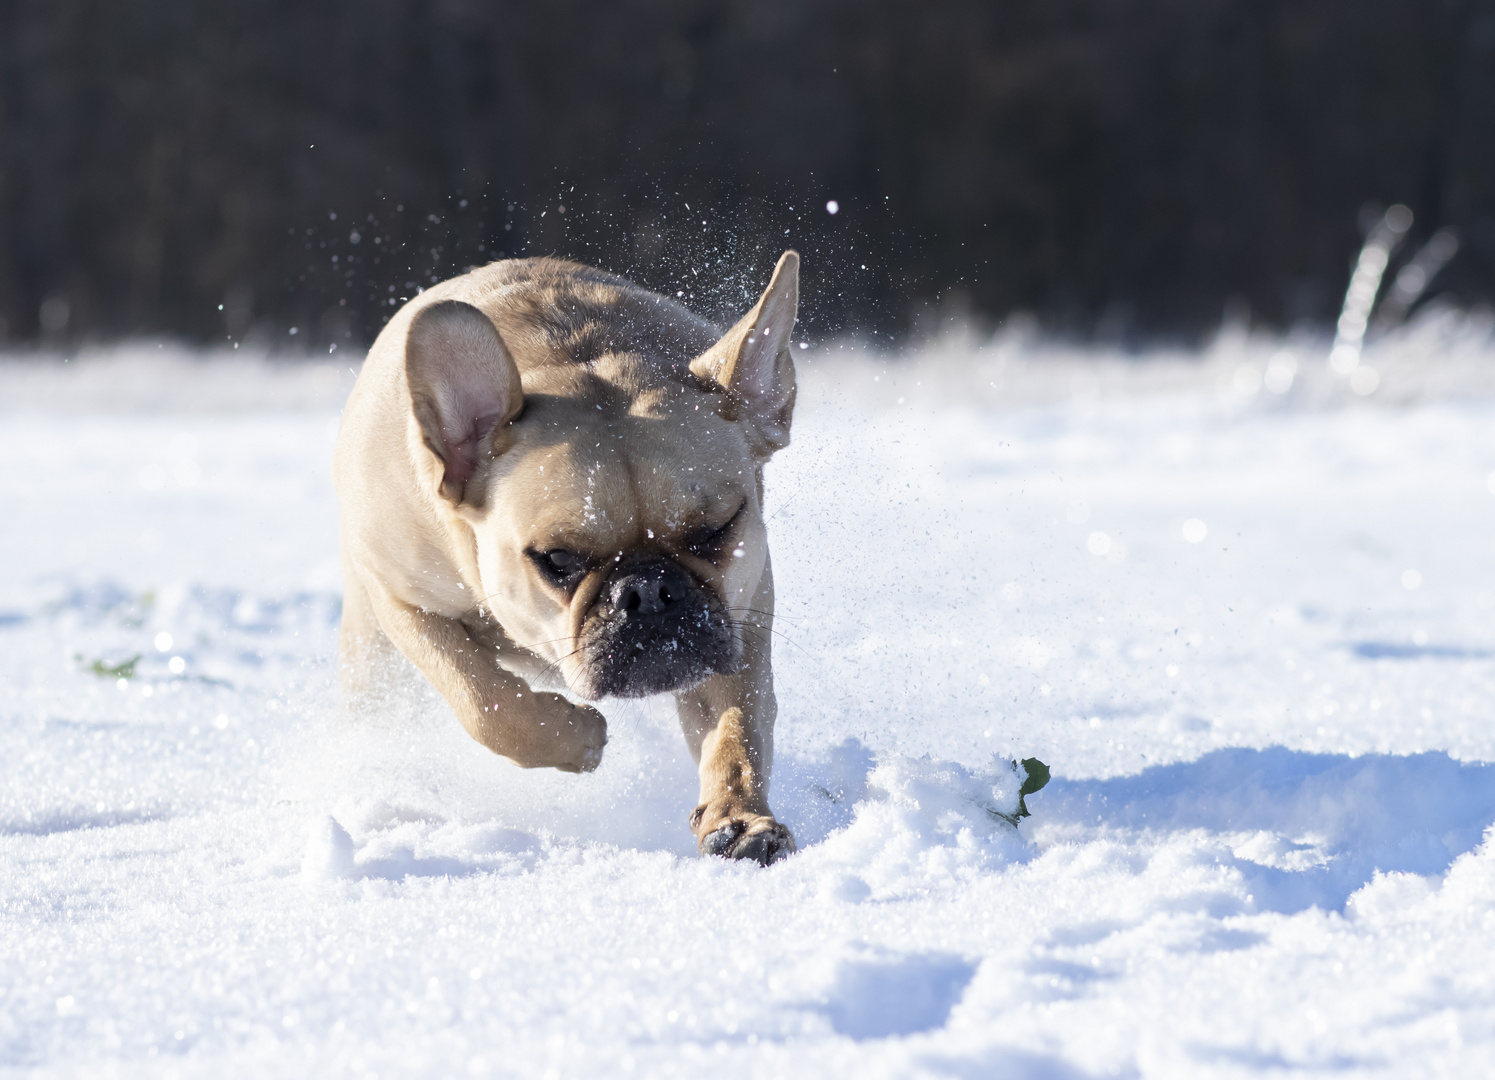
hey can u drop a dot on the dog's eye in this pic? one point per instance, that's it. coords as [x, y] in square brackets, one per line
[562, 567]
[707, 543]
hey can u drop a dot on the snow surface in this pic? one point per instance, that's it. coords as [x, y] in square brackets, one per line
[1266, 847]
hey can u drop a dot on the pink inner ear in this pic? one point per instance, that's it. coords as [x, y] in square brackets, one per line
[463, 384]
[461, 457]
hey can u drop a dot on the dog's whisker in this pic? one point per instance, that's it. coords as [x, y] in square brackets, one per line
[783, 505]
[562, 659]
[779, 633]
[554, 667]
[769, 614]
[541, 644]
[766, 625]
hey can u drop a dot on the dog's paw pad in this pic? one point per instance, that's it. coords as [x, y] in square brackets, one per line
[765, 846]
[723, 840]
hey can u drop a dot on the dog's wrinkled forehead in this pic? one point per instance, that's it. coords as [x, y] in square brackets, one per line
[615, 465]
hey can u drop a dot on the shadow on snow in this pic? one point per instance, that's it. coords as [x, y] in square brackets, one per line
[1307, 829]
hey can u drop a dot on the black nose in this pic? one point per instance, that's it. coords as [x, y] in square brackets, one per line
[650, 590]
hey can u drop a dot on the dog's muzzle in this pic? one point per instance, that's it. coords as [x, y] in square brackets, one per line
[658, 629]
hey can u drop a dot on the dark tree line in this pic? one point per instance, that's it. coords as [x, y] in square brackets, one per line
[243, 167]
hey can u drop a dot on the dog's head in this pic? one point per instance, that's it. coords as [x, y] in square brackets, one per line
[615, 505]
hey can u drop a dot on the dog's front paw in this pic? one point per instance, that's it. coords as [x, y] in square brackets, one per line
[757, 837]
[580, 732]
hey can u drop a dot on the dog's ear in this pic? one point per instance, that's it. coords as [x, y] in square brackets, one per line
[753, 363]
[463, 385]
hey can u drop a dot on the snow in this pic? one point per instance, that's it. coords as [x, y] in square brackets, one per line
[1265, 699]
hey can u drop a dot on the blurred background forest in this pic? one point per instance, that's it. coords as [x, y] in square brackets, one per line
[1121, 169]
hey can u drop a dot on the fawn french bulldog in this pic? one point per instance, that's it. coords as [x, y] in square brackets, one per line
[551, 488]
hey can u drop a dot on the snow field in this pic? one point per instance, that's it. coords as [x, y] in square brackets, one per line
[1248, 632]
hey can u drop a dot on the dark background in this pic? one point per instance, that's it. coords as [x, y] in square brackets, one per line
[1120, 168]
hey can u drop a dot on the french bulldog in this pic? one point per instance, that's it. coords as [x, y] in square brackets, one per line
[550, 484]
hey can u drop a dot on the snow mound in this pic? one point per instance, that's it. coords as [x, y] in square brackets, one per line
[422, 800]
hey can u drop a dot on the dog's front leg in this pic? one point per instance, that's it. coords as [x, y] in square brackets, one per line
[728, 725]
[498, 709]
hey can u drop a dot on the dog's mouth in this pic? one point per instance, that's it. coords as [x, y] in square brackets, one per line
[654, 629]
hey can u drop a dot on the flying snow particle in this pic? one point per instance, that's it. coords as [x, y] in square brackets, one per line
[1280, 371]
[1195, 530]
[1364, 380]
[1177, 447]
[833, 207]
[151, 477]
[1099, 543]
[163, 642]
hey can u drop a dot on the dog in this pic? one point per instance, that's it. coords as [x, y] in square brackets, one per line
[550, 486]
